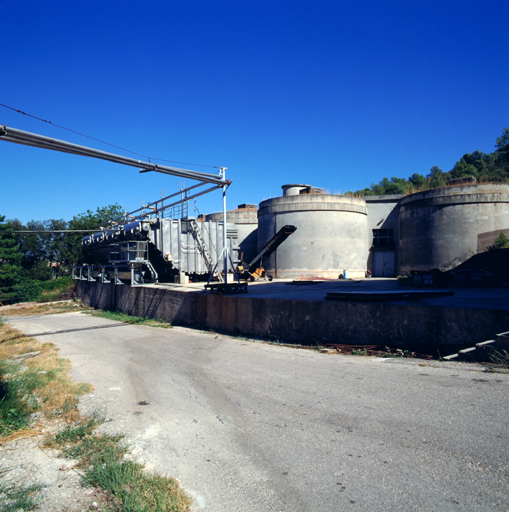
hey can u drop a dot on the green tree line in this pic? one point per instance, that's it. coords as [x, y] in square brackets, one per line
[31, 262]
[484, 167]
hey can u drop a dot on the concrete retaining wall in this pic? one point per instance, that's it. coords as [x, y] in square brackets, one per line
[304, 321]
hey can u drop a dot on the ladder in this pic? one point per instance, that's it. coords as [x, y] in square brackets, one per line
[204, 249]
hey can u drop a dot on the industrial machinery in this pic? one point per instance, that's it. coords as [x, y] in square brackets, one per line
[143, 234]
[254, 269]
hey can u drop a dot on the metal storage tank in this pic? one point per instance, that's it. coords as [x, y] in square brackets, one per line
[330, 236]
[192, 247]
[246, 219]
[443, 227]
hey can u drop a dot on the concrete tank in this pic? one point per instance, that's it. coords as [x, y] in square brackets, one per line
[246, 220]
[330, 236]
[443, 227]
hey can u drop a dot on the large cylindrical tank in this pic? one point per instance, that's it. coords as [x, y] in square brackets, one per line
[330, 236]
[246, 220]
[443, 227]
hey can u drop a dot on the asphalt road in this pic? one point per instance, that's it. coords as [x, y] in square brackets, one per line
[253, 427]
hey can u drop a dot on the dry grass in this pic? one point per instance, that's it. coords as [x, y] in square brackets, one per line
[43, 383]
[42, 308]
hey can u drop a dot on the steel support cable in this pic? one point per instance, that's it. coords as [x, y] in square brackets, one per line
[32, 139]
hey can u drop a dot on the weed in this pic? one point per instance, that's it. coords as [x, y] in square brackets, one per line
[81, 429]
[210, 331]
[15, 498]
[128, 319]
[132, 488]
[44, 309]
[500, 362]
[103, 459]
[38, 383]
[359, 352]
[398, 353]
[501, 358]
[16, 404]
[42, 383]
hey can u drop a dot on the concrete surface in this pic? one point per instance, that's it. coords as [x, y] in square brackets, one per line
[471, 298]
[248, 426]
[301, 314]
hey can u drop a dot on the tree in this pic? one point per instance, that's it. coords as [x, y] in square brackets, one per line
[71, 251]
[10, 261]
[396, 186]
[39, 249]
[500, 243]
[464, 169]
[485, 167]
[418, 182]
[436, 177]
[502, 145]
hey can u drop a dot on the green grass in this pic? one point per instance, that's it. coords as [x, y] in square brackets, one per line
[128, 319]
[61, 284]
[42, 383]
[38, 383]
[129, 487]
[80, 430]
[16, 399]
[500, 360]
[15, 498]
[359, 352]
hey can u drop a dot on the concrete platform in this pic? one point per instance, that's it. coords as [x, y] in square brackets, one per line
[300, 314]
[476, 298]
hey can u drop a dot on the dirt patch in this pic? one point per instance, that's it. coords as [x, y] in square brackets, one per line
[24, 462]
[496, 262]
[41, 308]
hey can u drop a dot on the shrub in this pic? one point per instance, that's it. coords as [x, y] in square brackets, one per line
[501, 242]
[29, 290]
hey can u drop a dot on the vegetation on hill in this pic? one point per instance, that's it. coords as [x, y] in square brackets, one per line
[484, 167]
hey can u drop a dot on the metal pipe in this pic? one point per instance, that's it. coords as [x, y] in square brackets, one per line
[51, 231]
[22, 137]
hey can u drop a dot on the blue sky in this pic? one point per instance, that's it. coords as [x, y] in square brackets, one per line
[337, 94]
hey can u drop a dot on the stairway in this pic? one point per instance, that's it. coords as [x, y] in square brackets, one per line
[204, 249]
[481, 352]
